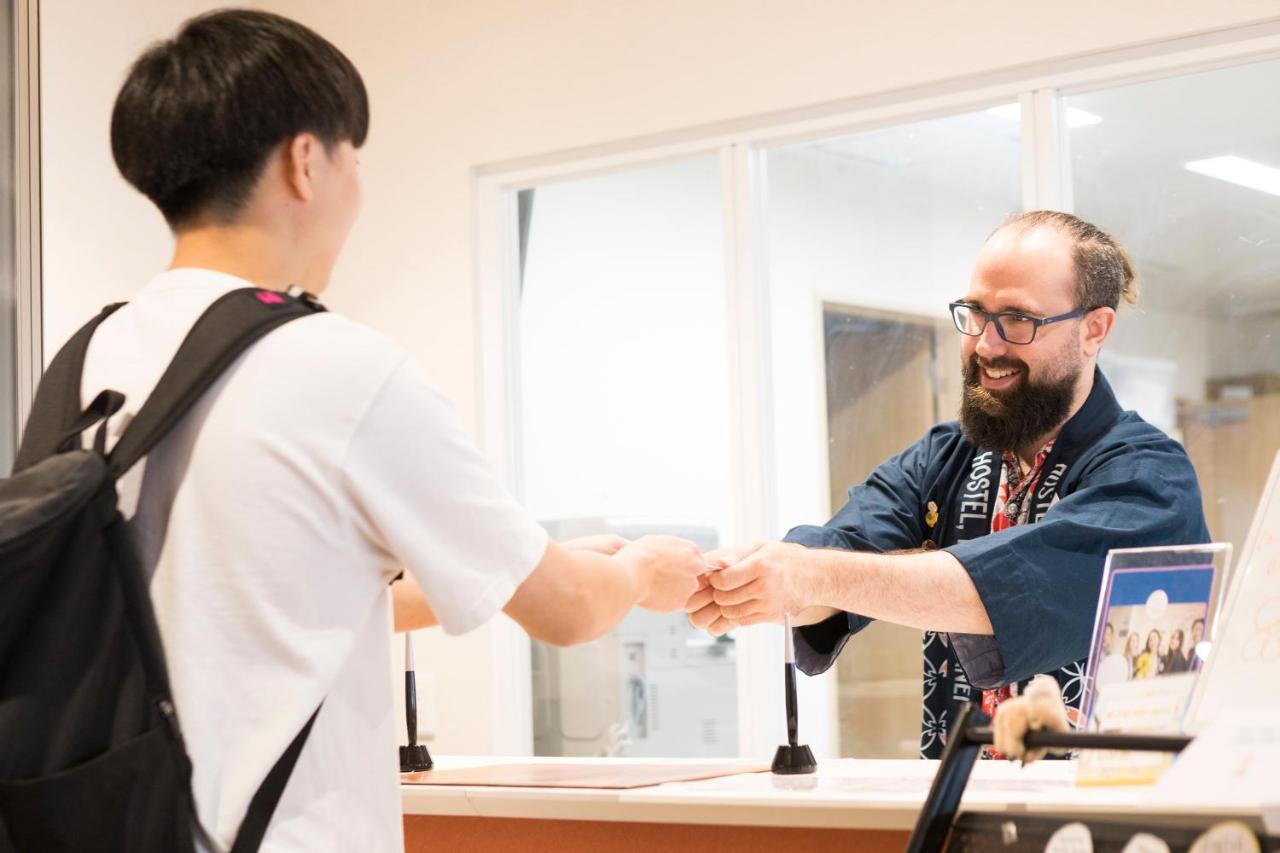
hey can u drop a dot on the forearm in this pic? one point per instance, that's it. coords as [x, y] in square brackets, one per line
[927, 589]
[575, 595]
[608, 587]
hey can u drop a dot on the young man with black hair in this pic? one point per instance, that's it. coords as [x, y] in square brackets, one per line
[275, 517]
[990, 533]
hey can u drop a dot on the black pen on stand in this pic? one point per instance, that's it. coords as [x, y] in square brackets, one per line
[412, 757]
[792, 758]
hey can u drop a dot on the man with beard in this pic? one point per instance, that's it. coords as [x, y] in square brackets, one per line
[990, 533]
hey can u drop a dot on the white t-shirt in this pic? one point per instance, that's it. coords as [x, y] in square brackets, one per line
[273, 518]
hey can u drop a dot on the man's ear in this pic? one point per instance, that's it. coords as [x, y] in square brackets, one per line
[1095, 328]
[299, 154]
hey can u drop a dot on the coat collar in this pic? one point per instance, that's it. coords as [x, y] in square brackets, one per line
[1099, 413]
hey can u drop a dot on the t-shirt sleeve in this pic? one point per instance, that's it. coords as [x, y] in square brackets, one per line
[1040, 582]
[882, 514]
[427, 496]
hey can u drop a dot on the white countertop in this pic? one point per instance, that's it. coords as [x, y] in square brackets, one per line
[844, 793]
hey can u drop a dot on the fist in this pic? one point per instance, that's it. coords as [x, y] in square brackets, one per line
[672, 565]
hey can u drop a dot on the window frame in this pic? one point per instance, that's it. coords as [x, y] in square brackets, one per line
[26, 182]
[743, 149]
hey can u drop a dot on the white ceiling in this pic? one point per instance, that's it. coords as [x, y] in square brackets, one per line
[1199, 243]
[1208, 244]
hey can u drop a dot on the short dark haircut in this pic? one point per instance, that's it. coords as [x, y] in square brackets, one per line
[199, 114]
[1104, 272]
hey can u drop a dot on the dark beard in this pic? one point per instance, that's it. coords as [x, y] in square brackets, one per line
[1015, 419]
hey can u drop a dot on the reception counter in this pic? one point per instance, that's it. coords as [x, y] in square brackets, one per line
[853, 803]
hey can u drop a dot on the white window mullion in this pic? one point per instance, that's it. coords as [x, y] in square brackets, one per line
[747, 298]
[1046, 165]
[761, 706]
[497, 325]
[761, 714]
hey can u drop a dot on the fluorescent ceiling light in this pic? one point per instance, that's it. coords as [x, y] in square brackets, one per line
[1075, 117]
[1081, 118]
[1237, 170]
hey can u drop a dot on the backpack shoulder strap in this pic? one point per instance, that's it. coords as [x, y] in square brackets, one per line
[263, 805]
[226, 329]
[57, 404]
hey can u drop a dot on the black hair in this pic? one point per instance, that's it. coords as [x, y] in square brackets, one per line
[199, 114]
[1104, 272]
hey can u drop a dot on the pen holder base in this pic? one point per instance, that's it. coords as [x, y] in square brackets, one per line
[794, 760]
[415, 758]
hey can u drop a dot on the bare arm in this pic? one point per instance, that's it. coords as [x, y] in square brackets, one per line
[929, 590]
[583, 588]
[922, 589]
[578, 594]
[412, 610]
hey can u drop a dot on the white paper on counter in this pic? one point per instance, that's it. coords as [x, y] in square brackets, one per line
[1233, 760]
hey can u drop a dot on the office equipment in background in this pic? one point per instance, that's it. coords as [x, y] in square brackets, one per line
[413, 757]
[653, 687]
[792, 758]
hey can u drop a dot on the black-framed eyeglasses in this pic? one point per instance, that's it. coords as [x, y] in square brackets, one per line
[1013, 326]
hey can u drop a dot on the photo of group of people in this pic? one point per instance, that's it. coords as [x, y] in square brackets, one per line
[1135, 646]
[1151, 622]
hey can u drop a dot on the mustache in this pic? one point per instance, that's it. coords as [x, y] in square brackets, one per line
[976, 363]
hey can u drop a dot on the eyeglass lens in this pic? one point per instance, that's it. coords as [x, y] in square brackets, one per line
[1013, 328]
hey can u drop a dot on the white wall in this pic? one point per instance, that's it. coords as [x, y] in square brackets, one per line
[457, 85]
[101, 239]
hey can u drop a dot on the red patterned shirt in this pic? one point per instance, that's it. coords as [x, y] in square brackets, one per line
[1013, 506]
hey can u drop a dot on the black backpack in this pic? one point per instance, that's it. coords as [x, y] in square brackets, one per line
[91, 754]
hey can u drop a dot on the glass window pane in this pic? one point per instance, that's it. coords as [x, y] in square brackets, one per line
[8, 267]
[870, 237]
[623, 359]
[1185, 173]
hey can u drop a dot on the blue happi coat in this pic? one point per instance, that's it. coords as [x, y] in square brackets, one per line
[1111, 481]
